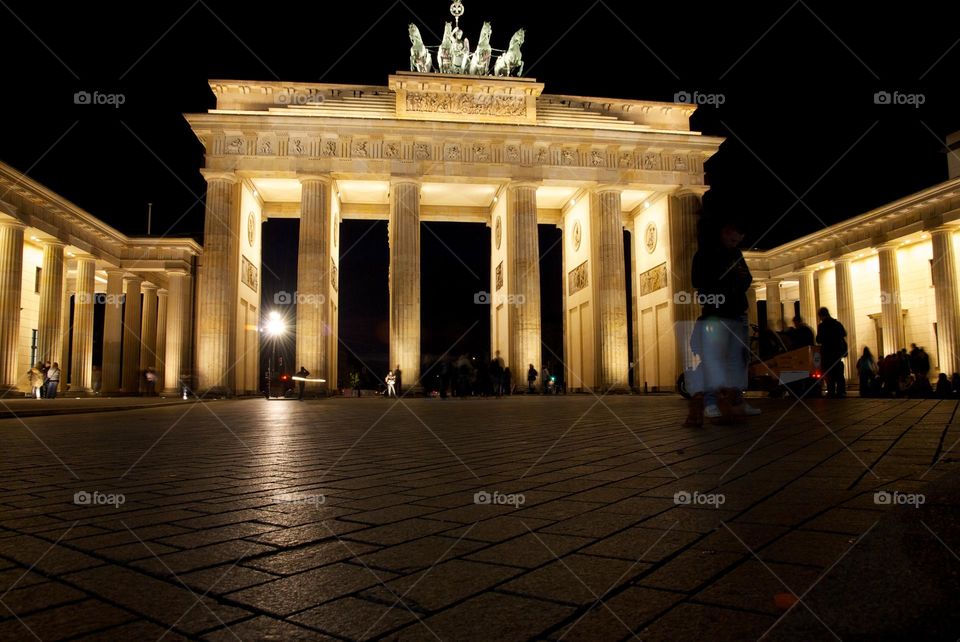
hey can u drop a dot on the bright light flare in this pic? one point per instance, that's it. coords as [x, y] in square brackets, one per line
[275, 324]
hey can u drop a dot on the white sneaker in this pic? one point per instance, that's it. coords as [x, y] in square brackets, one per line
[750, 411]
[712, 412]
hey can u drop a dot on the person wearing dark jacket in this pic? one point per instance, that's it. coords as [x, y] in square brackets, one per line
[832, 337]
[721, 278]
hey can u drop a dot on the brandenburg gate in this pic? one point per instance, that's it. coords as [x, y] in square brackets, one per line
[443, 144]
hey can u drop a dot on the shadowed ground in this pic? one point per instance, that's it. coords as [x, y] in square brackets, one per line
[357, 519]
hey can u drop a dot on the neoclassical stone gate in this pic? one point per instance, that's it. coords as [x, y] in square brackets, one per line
[432, 147]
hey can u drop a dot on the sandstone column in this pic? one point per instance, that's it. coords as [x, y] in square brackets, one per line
[148, 330]
[808, 298]
[111, 367]
[523, 257]
[947, 299]
[161, 349]
[404, 237]
[774, 306]
[11, 278]
[49, 345]
[63, 359]
[313, 280]
[177, 331]
[131, 335]
[845, 311]
[891, 313]
[610, 289]
[81, 368]
[683, 214]
[219, 277]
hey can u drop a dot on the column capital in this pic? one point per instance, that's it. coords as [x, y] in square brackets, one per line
[401, 180]
[131, 278]
[888, 246]
[842, 259]
[114, 271]
[520, 183]
[162, 292]
[806, 269]
[606, 187]
[327, 179]
[12, 222]
[772, 281]
[943, 229]
[54, 243]
[178, 272]
[147, 285]
[83, 256]
[219, 175]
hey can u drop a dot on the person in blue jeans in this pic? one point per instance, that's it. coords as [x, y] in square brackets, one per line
[721, 279]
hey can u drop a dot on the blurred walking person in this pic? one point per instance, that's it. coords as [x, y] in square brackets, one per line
[35, 376]
[391, 381]
[53, 380]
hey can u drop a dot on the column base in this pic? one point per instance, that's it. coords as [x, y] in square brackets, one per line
[11, 392]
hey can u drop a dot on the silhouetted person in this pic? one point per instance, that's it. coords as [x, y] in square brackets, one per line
[944, 389]
[496, 374]
[801, 335]
[867, 371]
[507, 383]
[399, 383]
[832, 337]
[302, 372]
[444, 377]
[532, 375]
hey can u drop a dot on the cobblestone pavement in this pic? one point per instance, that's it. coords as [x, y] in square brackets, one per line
[574, 518]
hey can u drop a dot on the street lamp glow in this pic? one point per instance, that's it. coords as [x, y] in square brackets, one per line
[275, 325]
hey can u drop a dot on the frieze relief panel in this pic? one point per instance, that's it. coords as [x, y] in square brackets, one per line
[249, 274]
[300, 145]
[653, 279]
[577, 279]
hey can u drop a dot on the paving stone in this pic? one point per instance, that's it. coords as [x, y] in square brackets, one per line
[290, 561]
[530, 550]
[753, 585]
[442, 585]
[490, 616]
[62, 621]
[304, 590]
[619, 616]
[644, 544]
[225, 579]
[267, 629]
[689, 621]
[690, 569]
[576, 579]
[197, 558]
[417, 554]
[36, 597]
[354, 618]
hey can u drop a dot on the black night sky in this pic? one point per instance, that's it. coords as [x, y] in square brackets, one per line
[806, 143]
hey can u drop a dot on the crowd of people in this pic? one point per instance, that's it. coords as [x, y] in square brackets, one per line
[903, 374]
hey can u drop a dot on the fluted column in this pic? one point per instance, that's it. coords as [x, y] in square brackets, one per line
[891, 312]
[808, 298]
[217, 306]
[148, 329]
[63, 359]
[774, 305]
[404, 238]
[81, 367]
[752, 305]
[131, 335]
[11, 278]
[610, 289]
[111, 368]
[49, 344]
[683, 214]
[523, 260]
[947, 298]
[313, 279]
[846, 314]
[161, 349]
[177, 329]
